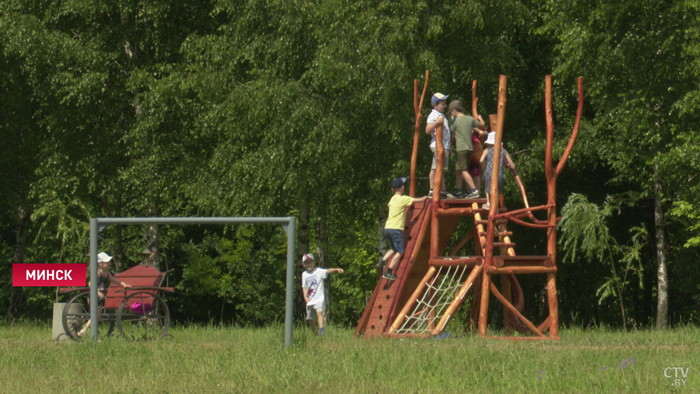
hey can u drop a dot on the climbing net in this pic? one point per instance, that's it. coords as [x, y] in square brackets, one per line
[440, 291]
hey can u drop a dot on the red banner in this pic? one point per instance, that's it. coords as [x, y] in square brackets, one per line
[49, 275]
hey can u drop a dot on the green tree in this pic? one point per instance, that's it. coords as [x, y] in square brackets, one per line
[632, 53]
[584, 228]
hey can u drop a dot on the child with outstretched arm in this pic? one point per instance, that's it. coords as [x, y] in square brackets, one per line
[312, 283]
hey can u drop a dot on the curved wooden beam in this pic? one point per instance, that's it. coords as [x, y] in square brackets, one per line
[522, 215]
[522, 318]
[524, 196]
[531, 225]
[572, 140]
[518, 212]
[551, 172]
[518, 303]
[475, 100]
[460, 244]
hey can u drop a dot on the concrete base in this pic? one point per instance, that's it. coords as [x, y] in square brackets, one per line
[58, 333]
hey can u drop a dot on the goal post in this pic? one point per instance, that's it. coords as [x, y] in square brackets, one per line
[288, 224]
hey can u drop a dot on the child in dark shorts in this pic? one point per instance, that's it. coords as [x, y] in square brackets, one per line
[395, 225]
[474, 168]
[463, 127]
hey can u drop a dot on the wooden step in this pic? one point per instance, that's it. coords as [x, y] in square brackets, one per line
[499, 221]
[504, 244]
[461, 211]
[463, 201]
[503, 234]
[487, 211]
[448, 261]
[522, 270]
[523, 261]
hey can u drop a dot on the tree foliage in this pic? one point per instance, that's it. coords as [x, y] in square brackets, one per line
[584, 229]
[271, 108]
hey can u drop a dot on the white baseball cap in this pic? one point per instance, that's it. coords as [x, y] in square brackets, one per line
[491, 139]
[103, 258]
[307, 257]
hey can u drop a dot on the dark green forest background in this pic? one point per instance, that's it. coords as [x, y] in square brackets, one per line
[304, 108]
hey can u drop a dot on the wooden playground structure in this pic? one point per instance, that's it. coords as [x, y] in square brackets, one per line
[432, 284]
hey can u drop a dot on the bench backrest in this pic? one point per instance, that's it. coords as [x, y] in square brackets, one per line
[139, 276]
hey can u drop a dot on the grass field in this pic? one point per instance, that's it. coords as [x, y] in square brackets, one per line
[231, 360]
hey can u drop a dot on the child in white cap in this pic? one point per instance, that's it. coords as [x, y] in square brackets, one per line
[312, 281]
[436, 118]
[104, 278]
[487, 157]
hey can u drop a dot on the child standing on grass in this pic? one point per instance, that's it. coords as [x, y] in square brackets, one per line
[463, 126]
[312, 281]
[395, 224]
[487, 158]
[435, 119]
[104, 278]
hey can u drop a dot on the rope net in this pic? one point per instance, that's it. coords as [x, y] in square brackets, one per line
[440, 290]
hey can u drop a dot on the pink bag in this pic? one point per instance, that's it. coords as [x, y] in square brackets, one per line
[140, 309]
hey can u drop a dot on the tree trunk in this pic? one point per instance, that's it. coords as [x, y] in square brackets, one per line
[118, 252]
[322, 261]
[303, 235]
[16, 297]
[152, 234]
[119, 255]
[622, 309]
[321, 244]
[662, 272]
[302, 249]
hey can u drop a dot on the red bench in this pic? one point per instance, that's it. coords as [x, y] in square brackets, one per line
[139, 311]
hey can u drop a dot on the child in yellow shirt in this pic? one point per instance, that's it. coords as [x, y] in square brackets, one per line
[395, 225]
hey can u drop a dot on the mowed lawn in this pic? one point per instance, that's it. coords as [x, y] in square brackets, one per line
[231, 360]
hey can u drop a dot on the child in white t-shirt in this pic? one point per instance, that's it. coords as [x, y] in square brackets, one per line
[435, 119]
[312, 281]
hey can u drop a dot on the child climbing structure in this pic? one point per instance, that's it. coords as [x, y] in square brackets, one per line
[431, 284]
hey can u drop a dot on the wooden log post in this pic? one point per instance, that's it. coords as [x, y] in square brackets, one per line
[437, 188]
[439, 163]
[552, 173]
[478, 145]
[417, 107]
[493, 209]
